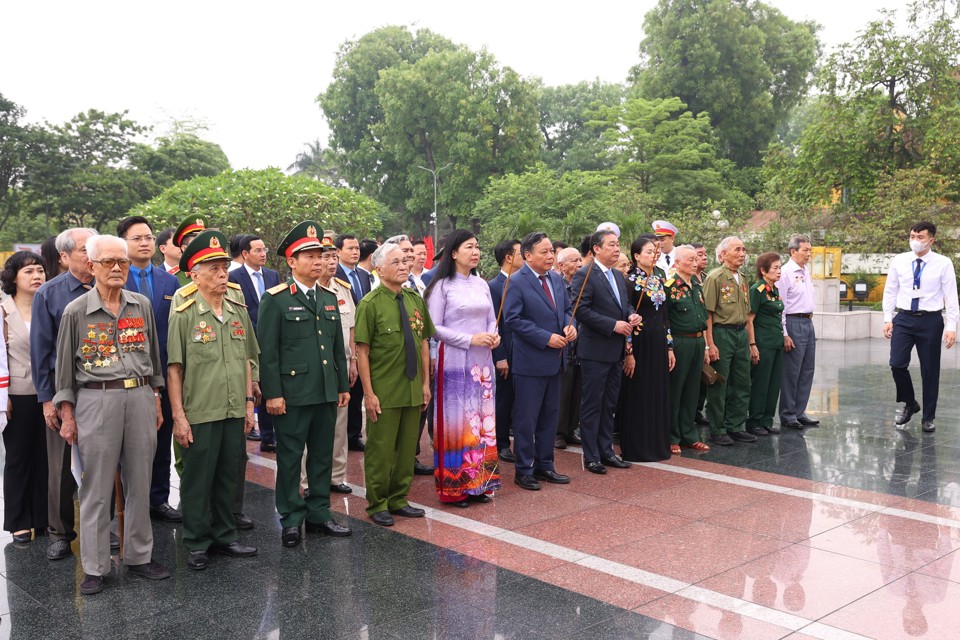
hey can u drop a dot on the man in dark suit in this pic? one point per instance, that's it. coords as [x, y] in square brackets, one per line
[537, 311]
[605, 319]
[254, 279]
[508, 257]
[348, 253]
[159, 286]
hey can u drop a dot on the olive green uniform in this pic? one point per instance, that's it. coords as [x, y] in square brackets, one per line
[765, 302]
[688, 321]
[214, 353]
[729, 301]
[392, 439]
[304, 363]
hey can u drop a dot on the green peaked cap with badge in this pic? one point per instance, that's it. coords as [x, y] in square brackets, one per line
[193, 224]
[306, 235]
[209, 245]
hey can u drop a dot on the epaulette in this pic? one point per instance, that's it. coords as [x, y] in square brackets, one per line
[327, 289]
[669, 282]
[234, 285]
[761, 286]
[185, 305]
[188, 289]
[236, 302]
[277, 289]
[344, 283]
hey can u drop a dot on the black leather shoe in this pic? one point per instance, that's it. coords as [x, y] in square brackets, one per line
[165, 513]
[356, 445]
[758, 431]
[408, 512]
[616, 462]
[527, 482]
[243, 522]
[928, 426]
[198, 560]
[91, 584]
[560, 443]
[742, 436]
[907, 412]
[253, 435]
[382, 518]
[773, 429]
[793, 424]
[723, 440]
[551, 476]
[290, 536]
[338, 488]
[114, 542]
[267, 447]
[595, 467]
[330, 527]
[459, 504]
[23, 538]
[574, 438]
[808, 422]
[506, 455]
[701, 419]
[480, 498]
[420, 469]
[151, 570]
[58, 549]
[234, 549]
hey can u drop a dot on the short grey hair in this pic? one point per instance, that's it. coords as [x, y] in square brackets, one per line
[796, 241]
[723, 246]
[66, 243]
[97, 243]
[383, 251]
[682, 249]
[567, 253]
[398, 239]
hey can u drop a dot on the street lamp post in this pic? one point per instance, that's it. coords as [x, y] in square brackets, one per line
[433, 216]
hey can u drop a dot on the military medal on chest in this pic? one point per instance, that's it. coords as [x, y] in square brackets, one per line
[130, 334]
[98, 348]
[203, 332]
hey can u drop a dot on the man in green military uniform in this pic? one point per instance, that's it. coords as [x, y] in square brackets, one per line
[303, 374]
[182, 236]
[731, 344]
[211, 348]
[393, 326]
[688, 321]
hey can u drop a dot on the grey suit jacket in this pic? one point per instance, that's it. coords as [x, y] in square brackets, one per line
[18, 351]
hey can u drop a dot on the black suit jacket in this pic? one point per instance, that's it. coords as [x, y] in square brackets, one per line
[504, 351]
[365, 283]
[240, 276]
[598, 314]
[164, 286]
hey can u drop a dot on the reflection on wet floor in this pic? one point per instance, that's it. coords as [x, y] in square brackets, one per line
[849, 530]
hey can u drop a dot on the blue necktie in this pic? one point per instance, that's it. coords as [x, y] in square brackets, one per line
[613, 285]
[143, 284]
[357, 289]
[917, 270]
[260, 286]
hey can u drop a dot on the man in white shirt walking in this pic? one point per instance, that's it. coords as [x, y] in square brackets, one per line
[921, 286]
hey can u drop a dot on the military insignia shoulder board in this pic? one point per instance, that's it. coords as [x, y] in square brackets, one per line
[277, 289]
[186, 305]
[293, 289]
[327, 289]
[233, 284]
[344, 283]
[761, 287]
[669, 283]
[236, 302]
[188, 289]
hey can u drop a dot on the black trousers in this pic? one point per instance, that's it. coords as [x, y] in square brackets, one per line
[504, 400]
[601, 392]
[355, 412]
[25, 469]
[160, 480]
[925, 332]
[570, 385]
[265, 425]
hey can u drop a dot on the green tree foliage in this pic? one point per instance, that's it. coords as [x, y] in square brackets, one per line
[266, 202]
[180, 156]
[318, 163]
[741, 61]
[569, 143]
[14, 141]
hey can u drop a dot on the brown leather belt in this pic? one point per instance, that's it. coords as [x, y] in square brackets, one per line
[799, 315]
[698, 334]
[129, 383]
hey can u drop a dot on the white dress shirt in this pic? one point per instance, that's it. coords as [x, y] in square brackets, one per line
[937, 291]
[253, 279]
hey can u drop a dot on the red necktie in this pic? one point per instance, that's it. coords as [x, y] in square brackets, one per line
[546, 290]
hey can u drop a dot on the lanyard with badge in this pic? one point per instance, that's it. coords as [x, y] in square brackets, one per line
[917, 274]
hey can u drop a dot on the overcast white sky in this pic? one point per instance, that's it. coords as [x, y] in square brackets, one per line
[252, 72]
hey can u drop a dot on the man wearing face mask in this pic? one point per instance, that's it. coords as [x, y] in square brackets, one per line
[921, 285]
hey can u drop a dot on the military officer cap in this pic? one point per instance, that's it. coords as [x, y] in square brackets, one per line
[193, 224]
[326, 244]
[305, 235]
[663, 228]
[209, 245]
[609, 226]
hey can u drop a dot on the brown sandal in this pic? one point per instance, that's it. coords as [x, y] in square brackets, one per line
[675, 449]
[699, 446]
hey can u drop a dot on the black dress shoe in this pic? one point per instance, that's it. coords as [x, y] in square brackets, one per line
[506, 455]
[527, 482]
[114, 542]
[574, 438]
[290, 536]
[723, 440]
[234, 549]
[337, 488]
[408, 512]
[382, 518]
[253, 435]
[758, 431]
[267, 447]
[459, 504]
[928, 427]
[150, 570]
[743, 436]
[198, 560]
[907, 412]
[356, 445]
[165, 513]
[420, 469]
[701, 419]
[91, 584]
[808, 422]
[481, 498]
[243, 522]
[595, 467]
[560, 443]
[22, 538]
[793, 424]
[330, 527]
[58, 549]
[616, 462]
[773, 429]
[551, 476]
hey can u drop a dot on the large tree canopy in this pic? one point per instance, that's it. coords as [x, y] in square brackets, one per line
[741, 61]
[180, 156]
[569, 142]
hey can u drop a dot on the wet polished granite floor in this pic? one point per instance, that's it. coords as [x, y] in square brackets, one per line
[849, 530]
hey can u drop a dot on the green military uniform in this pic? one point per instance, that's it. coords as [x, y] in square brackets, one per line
[304, 363]
[765, 302]
[213, 353]
[688, 321]
[188, 227]
[729, 301]
[392, 440]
